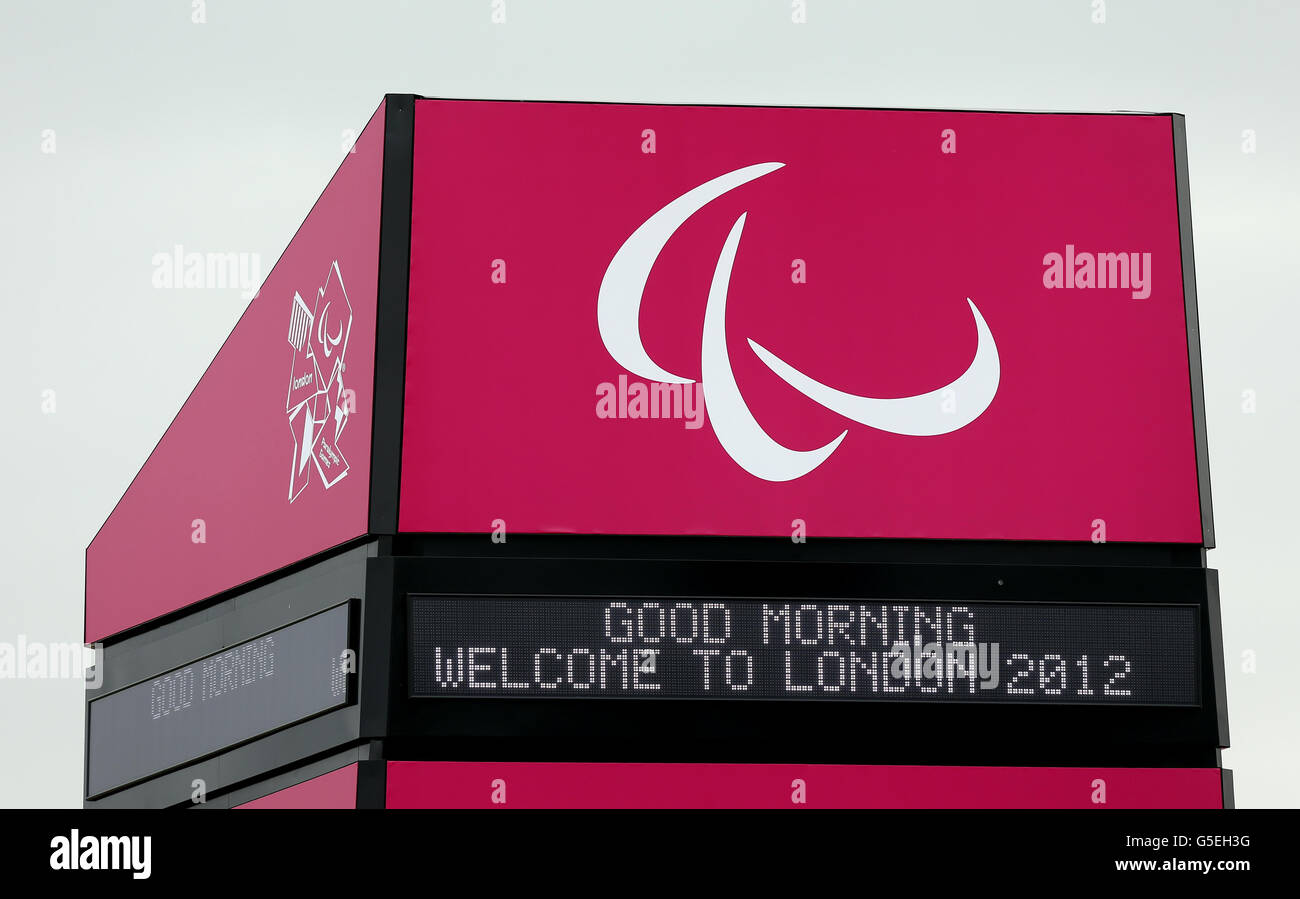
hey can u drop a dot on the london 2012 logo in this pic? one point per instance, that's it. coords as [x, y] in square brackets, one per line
[741, 436]
[318, 404]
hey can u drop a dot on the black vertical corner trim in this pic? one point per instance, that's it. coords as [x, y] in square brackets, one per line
[1183, 184]
[390, 312]
[372, 783]
[376, 656]
[1216, 654]
[1229, 792]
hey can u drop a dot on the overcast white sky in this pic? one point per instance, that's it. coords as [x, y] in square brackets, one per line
[219, 136]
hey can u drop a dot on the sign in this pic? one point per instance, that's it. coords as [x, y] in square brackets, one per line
[885, 650]
[701, 320]
[219, 701]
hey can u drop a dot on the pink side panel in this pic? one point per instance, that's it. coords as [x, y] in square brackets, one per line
[337, 789]
[291, 374]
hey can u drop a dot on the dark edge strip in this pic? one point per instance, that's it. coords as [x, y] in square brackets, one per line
[377, 678]
[390, 312]
[1216, 655]
[1193, 327]
[372, 783]
[1229, 792]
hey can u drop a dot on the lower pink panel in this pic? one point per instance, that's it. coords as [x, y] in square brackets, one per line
[616, 785]
[337, 789]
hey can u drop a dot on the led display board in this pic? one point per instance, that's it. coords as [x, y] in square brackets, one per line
[1097, 653]
[216, 702]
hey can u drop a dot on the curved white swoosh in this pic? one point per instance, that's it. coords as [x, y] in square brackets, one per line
[618, 308]
[737, 430]
[918, 416]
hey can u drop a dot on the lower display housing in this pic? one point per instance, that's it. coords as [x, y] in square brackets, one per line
[391, 720]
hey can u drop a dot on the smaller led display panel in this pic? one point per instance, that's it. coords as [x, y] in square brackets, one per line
[675, 647]
[221, 700]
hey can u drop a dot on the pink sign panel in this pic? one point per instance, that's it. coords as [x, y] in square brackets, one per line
[268, 461]
[765, 321]
[337, 789]
[524, 785]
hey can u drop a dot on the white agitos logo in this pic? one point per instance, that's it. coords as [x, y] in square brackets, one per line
[618, 315]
